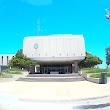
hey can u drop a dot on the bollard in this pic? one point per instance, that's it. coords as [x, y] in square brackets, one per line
[103, 78]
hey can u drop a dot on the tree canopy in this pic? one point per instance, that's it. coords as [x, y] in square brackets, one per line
[21, 61]
[90, 61]
[108, 55]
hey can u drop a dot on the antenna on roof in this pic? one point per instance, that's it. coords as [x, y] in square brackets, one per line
[38, 27]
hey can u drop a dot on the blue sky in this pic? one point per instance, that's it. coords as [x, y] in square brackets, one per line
[18, 18]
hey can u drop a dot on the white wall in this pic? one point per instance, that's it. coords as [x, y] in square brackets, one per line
[53, 47]
[74, 47]
[65, 46]
[0, 60]
[46, 46]
[5, 61]
[28, 48]
[60, 48]
[39, 50]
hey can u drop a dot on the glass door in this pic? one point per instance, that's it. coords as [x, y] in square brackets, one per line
[43, 70]
[46, 70]
[66, 70]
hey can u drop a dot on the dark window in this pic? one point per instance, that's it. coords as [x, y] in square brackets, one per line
[2, 60]
[7, 60]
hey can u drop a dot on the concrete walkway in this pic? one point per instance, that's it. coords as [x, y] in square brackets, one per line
[20, 95]
[54, 91]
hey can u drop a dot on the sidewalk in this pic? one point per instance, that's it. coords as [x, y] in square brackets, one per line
[54, 91]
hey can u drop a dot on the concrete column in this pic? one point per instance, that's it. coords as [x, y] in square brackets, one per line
[72, 68]
[32, 69]
[0, 69]
[76, 67]
[35, 69]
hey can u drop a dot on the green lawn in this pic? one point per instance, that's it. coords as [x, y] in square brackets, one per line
[95, 73]
[98, 75]
[94, 70]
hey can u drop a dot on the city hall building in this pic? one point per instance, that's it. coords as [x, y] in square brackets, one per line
[55, 53]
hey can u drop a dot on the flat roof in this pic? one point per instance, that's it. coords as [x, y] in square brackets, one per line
[55, 36]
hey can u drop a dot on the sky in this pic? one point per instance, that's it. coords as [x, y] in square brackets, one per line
[19, 18]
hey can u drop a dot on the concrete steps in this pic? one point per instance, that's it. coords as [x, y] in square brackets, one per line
[52, 78]
[54, 75]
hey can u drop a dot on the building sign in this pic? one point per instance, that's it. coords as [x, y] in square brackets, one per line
[36, 45]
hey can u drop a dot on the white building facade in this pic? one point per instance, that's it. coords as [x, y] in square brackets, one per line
[55, 53]
[5, 58]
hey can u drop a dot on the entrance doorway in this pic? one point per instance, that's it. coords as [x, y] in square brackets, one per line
[61, 69]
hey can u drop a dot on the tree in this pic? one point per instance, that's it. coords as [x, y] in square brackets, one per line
[21, 61]
[107, 55]
[90, 61]
[19, 54]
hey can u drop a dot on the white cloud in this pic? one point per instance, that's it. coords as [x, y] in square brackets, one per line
[38, 2]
